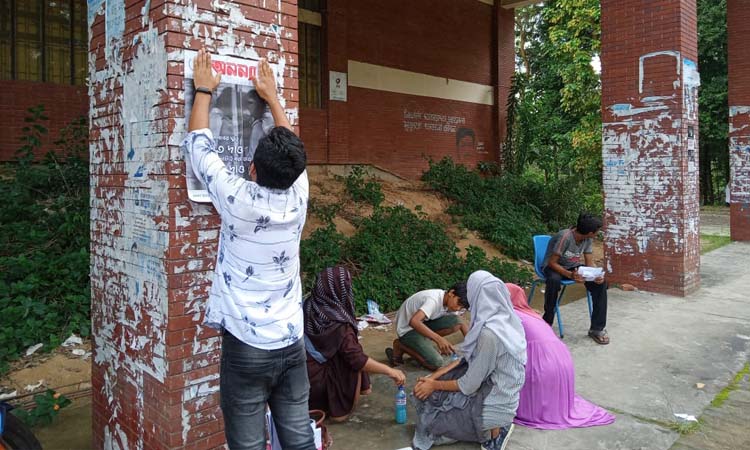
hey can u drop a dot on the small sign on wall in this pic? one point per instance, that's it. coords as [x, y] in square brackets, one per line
[337, 86]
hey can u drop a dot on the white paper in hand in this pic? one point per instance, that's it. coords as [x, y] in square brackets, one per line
[590, 273]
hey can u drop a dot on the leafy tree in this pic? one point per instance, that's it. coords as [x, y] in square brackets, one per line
[712, 100]
[555, 122]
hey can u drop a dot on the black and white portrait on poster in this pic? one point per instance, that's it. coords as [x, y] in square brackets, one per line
[238, 117]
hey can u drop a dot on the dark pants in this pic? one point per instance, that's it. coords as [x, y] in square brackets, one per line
[598, 298]
[250, 378]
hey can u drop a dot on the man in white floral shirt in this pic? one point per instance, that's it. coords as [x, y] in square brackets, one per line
[256, 294]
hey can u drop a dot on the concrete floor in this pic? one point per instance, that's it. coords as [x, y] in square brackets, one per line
[725, 426]
[661, 347]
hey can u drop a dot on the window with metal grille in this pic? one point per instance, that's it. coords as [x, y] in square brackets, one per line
[44, 40]
[310, 34]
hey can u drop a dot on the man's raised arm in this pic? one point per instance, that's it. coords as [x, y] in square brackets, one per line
[265, 85]
[205, 83]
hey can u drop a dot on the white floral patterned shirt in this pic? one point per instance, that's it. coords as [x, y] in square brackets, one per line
[256, 292]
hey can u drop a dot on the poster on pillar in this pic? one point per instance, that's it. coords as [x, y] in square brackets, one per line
[238, 117]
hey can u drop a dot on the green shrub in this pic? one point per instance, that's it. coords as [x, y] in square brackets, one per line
[44, 243]
[395, 253]
[324, 212]
[324, 248]
[509, 209]
[362, 188]
[493, 207]
[46, 408]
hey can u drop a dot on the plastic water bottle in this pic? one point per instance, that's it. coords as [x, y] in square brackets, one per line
[401, 405]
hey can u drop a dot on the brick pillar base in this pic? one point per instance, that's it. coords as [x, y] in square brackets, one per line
[155, 371]
[650, 142]
[738, 22]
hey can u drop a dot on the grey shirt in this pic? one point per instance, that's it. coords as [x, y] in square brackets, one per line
[571, 252]
[506, 373]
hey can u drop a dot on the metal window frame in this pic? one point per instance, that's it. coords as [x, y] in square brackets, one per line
[43, 42]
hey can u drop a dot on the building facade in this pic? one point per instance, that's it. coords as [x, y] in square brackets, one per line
[43, 61]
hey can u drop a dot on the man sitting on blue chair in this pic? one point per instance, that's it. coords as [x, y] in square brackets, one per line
[561, 262]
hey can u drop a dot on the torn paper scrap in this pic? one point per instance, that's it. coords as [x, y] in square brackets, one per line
[31, 350]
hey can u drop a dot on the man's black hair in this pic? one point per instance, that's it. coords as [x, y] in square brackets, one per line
[459, 289]
[279, 159]
[588, 223]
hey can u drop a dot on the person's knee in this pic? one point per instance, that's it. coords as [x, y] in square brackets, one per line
[552, 279]
[433, 361]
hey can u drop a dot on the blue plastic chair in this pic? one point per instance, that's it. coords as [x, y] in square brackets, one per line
[541, 241]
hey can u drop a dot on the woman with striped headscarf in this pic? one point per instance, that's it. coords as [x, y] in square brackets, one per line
[336, 364]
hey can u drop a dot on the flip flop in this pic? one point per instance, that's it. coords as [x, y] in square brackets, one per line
[600, 337]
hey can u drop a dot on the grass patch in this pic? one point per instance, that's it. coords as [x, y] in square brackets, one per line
[676, 426]
[723, 395]
[710, 242]
[685, 427]
[715, 209]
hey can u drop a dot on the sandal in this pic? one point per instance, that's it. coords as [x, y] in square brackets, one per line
[391, 359]
[600, 337]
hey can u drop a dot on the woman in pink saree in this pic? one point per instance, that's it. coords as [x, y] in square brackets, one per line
[548, 399]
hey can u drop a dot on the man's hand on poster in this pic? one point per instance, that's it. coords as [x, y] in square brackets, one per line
[265, 82]
[203, 75]
[265, 85]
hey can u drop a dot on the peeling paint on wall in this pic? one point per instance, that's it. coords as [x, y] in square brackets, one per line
[650, 171]
[739, 154]
[148, 243]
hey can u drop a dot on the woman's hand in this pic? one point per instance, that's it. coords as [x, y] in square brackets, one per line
[203, 75]
[398, 377]
[424, 388]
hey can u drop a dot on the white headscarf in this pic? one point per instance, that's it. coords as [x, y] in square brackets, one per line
[490, 307]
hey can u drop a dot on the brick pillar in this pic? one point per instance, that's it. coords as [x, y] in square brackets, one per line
[505, 67]
[155, 368]
[338, 61]
[738, 23]
[650, 142]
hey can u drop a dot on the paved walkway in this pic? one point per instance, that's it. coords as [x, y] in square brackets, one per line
[723, 427]
[661, 347]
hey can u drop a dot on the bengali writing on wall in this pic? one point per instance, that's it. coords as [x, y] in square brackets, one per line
[439, 123]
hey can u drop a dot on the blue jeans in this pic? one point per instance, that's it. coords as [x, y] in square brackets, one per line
[250, 378]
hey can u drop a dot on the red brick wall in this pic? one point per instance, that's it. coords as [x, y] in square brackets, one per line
[458, 40]
[378, 134]
[62, 104]
[313, 127]
[738, 22]
[650, 159]
[155, 367]
[451, 39]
